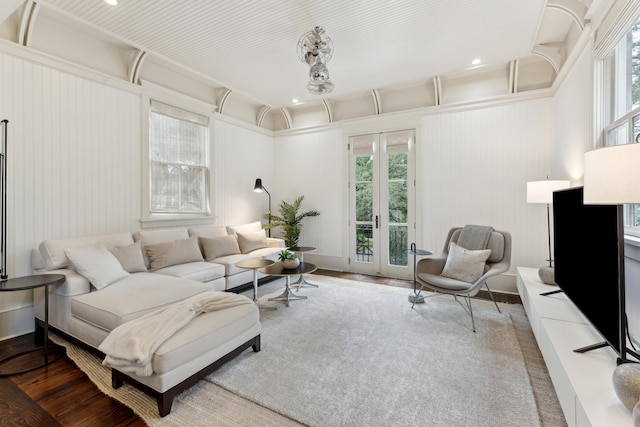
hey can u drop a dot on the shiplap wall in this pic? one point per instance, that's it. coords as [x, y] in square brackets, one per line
[314, 165]
[240, 155]
[73, 159]
[474, 166]
[75, 169]
[74, 166]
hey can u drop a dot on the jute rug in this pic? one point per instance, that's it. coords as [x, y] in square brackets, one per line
[356, 354]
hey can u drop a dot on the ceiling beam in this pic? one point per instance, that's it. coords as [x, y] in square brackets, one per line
[549, 54]
[262, 114]
[27, 22]
[576, 10]
[135, 66]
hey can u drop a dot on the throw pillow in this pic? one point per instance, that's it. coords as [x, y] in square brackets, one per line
[216, 247]
[130, 257]
[174, 252]
[464, 264]
[97, 264]
[252, 240]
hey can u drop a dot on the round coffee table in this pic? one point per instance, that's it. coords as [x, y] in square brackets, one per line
[301, 282]
[277, 269]
[255, 264]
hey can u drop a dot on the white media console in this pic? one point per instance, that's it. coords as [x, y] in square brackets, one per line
[583, 381]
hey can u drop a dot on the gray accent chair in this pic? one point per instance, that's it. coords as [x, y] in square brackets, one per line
[429, 269]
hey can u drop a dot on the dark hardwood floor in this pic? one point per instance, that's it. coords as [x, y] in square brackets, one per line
[60, 394]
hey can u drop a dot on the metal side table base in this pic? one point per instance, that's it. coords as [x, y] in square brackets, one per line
[302, 283]
[287, 295]
[416, 298]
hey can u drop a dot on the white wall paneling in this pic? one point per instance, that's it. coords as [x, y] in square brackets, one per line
[73, 162]
[473, 169]
[313, 165]
[240, 155]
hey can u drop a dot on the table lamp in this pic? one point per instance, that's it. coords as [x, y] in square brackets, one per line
[612, 177]
[542, 192]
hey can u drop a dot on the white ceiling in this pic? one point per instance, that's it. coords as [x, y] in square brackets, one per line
[249, 46]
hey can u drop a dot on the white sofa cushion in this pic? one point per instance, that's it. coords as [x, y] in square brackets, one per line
[208, 231]
[132, 297]
[229, 262]
[130, 257]
[268, 253]
[97, 264]
[173, 252]
[52, 250]
[200, 271]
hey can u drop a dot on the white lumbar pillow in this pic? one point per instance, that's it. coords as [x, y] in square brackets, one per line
[97, 264]
[464, 264]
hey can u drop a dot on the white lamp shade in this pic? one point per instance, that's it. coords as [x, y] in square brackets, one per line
[542, 191]
[612, 175]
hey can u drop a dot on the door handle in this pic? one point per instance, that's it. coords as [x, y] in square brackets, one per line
[376, 221]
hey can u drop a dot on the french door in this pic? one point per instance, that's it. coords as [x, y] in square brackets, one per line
[382, 203]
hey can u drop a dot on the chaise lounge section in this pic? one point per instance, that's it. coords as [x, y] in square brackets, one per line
[118, 278]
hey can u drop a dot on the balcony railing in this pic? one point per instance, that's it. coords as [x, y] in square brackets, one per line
[398, 244]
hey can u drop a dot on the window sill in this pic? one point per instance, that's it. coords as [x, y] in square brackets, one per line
[170, 221]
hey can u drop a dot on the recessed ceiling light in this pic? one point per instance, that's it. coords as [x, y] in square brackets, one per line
[294, 100]
[111, 2]
[476, 61]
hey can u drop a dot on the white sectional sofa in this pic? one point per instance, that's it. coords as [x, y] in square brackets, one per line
[117, 278]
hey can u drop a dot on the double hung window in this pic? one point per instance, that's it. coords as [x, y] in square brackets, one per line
[178, 161]
[619, 104]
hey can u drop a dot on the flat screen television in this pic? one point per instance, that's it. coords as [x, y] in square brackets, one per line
[586, 264]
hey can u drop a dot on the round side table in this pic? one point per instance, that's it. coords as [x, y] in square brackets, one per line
[255, 264]
[277, 269]
[301, 282]
[30, 283]
[416, 297]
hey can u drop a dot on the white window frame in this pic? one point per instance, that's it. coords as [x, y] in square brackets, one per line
[615, 74]
[165, 96]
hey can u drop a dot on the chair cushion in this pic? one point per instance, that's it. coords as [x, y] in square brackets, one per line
[496, 244]
[97, 264]
[463, 264]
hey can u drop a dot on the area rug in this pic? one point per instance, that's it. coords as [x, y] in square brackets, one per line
[356, 354]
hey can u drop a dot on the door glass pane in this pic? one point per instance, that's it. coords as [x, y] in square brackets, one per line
[397, 187]
[364, 209]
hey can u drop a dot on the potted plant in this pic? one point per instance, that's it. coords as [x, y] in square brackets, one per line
[289, 220]
[288, 259]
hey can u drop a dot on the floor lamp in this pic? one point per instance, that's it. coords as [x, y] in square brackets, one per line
[611, 177]
[259, 188]
[3, 205]
[542, 192]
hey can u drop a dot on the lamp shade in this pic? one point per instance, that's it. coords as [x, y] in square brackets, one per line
[542, 191]
[258, 186]
[612, 175]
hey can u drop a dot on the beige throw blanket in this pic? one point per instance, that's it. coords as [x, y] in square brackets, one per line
[130, 346]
